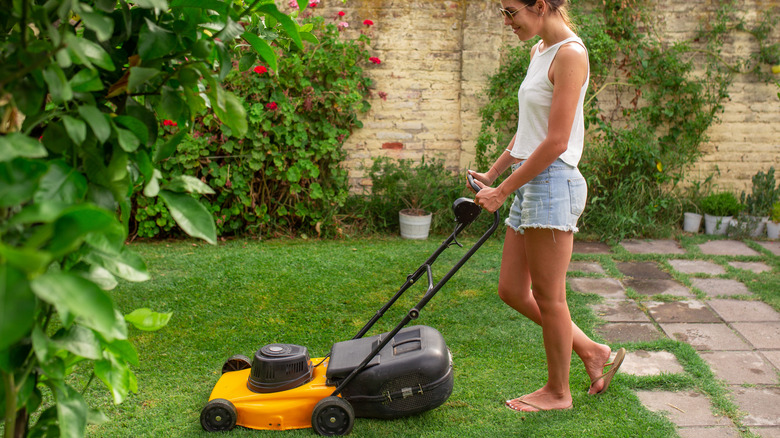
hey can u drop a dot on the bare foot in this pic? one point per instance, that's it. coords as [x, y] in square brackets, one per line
[594, 366]
[540, 400]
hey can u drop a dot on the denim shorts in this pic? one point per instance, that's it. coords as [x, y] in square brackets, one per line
[555, 199]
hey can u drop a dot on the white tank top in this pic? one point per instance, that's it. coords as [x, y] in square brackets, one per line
[535, 99]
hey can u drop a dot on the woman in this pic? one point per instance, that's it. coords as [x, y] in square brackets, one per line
[550, 195]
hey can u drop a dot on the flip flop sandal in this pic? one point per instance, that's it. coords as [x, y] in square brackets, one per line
[538, 409]
[614, 367]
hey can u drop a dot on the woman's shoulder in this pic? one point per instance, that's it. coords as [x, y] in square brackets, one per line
[572, 51]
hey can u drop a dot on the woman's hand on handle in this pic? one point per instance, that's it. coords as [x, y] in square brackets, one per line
[480, 177]
[489, 198]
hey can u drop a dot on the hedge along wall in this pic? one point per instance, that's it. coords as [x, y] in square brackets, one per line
[436, 56]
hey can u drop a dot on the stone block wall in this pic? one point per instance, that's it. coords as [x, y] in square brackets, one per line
[436, 57]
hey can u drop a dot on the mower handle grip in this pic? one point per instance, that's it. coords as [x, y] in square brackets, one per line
[472, 183]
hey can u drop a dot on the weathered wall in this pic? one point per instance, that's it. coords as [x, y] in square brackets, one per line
[436, 57]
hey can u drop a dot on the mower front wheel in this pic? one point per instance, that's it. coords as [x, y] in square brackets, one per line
[333, 416]
[218, 415]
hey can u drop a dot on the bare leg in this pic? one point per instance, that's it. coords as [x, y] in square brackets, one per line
[515, 286]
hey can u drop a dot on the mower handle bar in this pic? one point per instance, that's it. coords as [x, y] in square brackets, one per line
[414, 313]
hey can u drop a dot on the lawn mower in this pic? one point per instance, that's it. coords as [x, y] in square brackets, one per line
[402, 372]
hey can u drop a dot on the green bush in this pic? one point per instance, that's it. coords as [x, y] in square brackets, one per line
[286, 174]
[84, 88]
[721, 204]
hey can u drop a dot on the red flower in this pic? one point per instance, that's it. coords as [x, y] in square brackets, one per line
[169, 123]
[260, 69]
[375, 60]
[341, 13]
[314, 3]
[368, 22]
[272, 106]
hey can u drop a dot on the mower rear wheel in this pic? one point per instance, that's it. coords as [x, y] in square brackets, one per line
[218, 415]
[333, 416]
[236, 362]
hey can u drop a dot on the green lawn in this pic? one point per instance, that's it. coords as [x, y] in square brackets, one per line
[244, 294]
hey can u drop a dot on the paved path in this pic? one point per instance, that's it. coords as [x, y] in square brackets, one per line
[734, 333]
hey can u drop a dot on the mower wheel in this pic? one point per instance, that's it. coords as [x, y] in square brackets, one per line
[236, 362]
[218, 415]
[333, 416]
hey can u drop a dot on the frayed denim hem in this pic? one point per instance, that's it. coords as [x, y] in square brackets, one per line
[520, 229]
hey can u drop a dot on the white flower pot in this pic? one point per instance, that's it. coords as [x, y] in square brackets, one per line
[691, 222]
[773, 230]
[414, 225]
[716, 224]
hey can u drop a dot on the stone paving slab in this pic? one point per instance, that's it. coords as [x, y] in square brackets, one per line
[759, 404]
[650, 363]
[714, 287]
[715, 337]
[649, 287]
[620, 311]
[629, 332]
[652, 247]
[740, 367]
[606, 287]
[766, 432]
[685, 408]
[727, 247]
[743, 311]
[697, 267]
[757, 267]
[708, 432]
[643, 270]
[583, 247]
[773, 356]
[763, 335]
[588, 267]
[773, 246]
[681, 311]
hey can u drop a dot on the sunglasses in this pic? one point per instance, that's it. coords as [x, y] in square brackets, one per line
[510, 14]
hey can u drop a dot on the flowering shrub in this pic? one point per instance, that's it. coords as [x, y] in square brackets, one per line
[285, 175]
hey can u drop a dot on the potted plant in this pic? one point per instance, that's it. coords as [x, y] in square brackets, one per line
[410, 191]
[758, 203]
[691, 204]
[773, 225]
[719, 209]
[691, 216]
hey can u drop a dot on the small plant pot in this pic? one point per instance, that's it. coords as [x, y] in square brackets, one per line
[773, 230]
[717, 225]
[691, 222]
[415, 223]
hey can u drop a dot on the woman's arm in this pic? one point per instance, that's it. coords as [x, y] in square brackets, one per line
[500, 166]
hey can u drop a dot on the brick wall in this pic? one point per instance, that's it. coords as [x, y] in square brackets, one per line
[436, 56]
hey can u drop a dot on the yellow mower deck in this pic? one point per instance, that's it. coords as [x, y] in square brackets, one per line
[290, 409]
